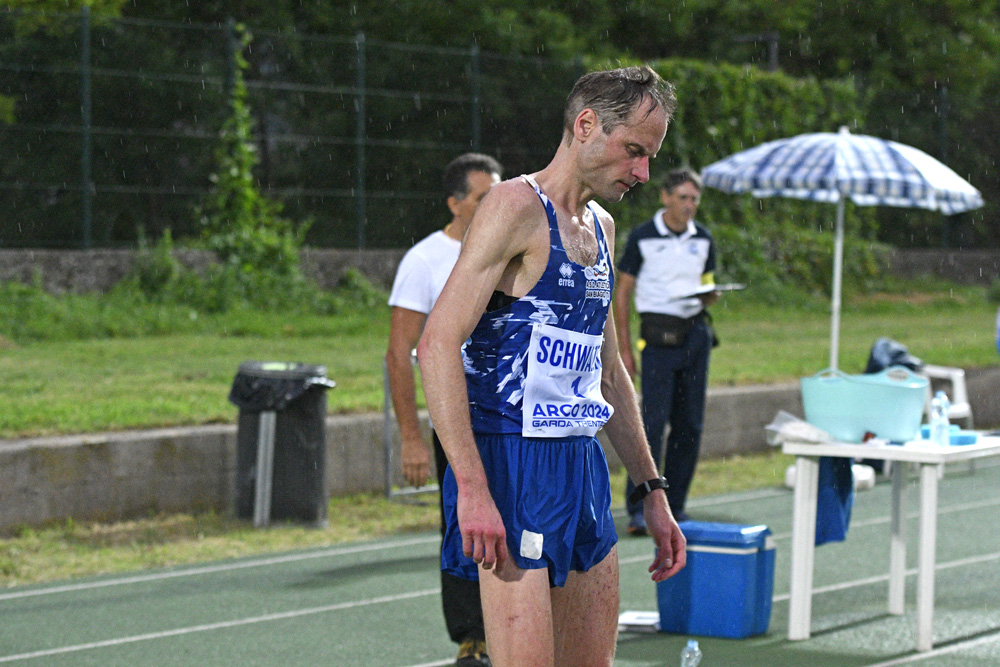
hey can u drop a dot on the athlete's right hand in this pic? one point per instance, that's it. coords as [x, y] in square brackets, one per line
[484, 538]
[671, 545]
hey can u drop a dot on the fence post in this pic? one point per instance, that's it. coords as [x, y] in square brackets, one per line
[232, 49]
[86, 184]
[360, 133]
[476, 102]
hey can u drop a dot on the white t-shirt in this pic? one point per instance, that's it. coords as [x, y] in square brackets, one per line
[423, 272]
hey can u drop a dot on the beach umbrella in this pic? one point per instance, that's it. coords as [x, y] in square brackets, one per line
[833, 167]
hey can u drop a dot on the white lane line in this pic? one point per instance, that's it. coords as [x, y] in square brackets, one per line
[912, 572]
[342, 551]
[741, 497]
[867, 581]
[975, 560]
[962, 562]
[944, 650]
[876, 521]
[224, 567]
[216, 626]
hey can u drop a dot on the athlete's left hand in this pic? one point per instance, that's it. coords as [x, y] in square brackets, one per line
[671, 546]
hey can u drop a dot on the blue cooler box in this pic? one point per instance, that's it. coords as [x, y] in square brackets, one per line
[726, 587]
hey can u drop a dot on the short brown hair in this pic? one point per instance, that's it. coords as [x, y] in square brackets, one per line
[615, 94]
[675, 177]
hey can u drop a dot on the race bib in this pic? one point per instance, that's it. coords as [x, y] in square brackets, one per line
[562, 387]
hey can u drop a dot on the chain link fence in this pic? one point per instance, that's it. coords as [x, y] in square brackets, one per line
[108, 127]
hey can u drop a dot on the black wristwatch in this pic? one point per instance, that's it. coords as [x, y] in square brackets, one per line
[643, 489]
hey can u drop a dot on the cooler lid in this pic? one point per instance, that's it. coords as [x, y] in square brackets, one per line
[724, 534]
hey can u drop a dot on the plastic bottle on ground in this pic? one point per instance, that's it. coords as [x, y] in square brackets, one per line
[691, 654]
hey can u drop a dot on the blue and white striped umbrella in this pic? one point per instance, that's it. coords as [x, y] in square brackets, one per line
[826, 166]
[832, 167]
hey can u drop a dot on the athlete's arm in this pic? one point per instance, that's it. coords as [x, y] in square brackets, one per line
[629, 440]
[624, 287]
[501, 233]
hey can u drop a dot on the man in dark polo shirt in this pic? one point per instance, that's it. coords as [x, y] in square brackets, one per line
[666, 259]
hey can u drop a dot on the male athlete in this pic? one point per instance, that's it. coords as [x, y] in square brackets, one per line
[523, 324]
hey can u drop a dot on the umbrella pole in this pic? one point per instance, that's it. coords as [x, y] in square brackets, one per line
[838, 271]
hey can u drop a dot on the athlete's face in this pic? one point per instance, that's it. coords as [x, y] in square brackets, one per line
[619, 160]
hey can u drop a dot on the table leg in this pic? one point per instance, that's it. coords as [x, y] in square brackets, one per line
[897, 541]
[803, 547]
[926, 559]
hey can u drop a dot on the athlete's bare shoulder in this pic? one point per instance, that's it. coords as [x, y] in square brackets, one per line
[511, 209]
[506, 225]
[517, 199]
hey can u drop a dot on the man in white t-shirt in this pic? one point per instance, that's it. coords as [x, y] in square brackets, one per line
[419, 280]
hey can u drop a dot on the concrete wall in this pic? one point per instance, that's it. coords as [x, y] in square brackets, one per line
[970, 267]
[123, 475]
[98, 270]
[116, 475]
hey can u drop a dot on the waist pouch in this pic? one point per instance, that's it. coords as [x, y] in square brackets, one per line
[662, 330]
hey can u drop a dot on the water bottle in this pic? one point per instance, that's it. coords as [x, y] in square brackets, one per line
[940, 426]
[691, 654]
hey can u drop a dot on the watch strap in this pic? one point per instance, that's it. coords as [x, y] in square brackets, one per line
[644, 489]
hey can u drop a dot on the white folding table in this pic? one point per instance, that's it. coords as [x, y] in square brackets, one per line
[930, 458]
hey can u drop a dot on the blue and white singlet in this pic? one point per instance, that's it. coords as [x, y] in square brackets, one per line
[533, 366]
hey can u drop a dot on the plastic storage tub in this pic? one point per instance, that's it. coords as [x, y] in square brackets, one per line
[889, 404]
[726, 587]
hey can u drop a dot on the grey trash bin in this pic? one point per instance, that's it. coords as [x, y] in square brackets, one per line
[281, 435]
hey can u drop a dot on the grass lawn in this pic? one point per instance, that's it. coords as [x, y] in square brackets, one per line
[73, 549]
[99, 384]
[123, 382]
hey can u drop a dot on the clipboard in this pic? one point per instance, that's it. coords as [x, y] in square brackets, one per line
[705, 289]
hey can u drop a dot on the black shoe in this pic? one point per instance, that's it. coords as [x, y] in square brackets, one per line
[472, 653]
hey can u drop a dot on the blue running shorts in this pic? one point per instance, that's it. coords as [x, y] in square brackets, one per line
[555, 500]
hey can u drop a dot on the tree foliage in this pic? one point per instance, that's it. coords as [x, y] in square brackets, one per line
[923, 73]
[726, 108]
[925, 69]
[239, 223]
